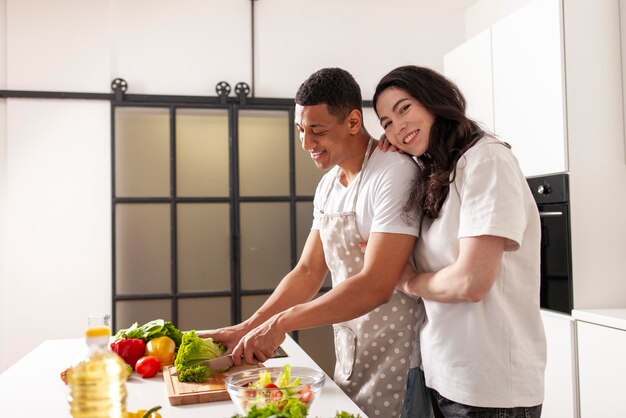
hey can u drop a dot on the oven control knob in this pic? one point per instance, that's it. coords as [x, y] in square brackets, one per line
[544, 189]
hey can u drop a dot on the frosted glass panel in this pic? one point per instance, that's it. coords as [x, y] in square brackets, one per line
[142, 248]
[250, 304]
[265, 244]
[203, 247]
[202, 152]
[319, 344]
[307, 173]
[304, 220]
[130, 311]
[142, 152]
[203, 313]
[263, 153]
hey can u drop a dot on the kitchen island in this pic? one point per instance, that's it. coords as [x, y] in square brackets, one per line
[32, 387]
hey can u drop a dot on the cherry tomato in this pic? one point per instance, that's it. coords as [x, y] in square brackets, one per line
[306, 394]
[271, 386]
[148, 366]
[162, 348]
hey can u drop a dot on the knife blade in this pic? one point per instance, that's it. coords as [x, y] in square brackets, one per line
[217, 365]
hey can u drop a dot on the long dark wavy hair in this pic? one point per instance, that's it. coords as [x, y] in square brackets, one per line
[451, 134]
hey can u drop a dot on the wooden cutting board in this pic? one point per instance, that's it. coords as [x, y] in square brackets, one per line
[214, 389]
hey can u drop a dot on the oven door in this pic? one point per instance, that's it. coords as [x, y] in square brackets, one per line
[556, 270]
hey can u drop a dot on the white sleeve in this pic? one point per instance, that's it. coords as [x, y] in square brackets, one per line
[388, 200]
[491, 195]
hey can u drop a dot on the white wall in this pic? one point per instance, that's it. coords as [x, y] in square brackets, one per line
[57, 266]
[58, 234]
[3, 164]
[485, 13]
[367, 39]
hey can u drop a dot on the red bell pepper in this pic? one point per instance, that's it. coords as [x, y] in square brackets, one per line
[129, 349]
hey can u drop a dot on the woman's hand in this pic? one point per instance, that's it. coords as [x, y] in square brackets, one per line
[407, 275]
[384, 145]
[259, 344]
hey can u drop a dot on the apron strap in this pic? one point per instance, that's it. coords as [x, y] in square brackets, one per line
[358, 185]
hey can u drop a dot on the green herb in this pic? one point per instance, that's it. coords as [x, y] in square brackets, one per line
[150, 330]
[344, 414]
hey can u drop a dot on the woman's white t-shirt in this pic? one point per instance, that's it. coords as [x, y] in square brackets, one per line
[491, 353]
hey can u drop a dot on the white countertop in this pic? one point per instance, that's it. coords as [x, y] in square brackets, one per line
[614, 318]
[32, 387]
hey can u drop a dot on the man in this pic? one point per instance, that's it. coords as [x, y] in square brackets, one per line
[359, 201]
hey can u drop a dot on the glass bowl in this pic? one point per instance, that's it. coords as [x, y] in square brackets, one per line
[244, 397]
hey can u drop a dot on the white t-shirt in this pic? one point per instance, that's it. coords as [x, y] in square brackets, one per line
[383, 191]
[491, 353]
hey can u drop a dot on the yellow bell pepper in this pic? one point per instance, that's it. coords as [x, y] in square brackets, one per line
[162, 348]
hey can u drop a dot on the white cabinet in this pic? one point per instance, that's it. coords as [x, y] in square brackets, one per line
[561, 375]
[602, 370]
[528, 86]
[469, 66]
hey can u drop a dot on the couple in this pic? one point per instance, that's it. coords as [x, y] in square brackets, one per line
[468, 313]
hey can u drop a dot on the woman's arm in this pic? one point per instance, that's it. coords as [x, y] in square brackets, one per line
[469, 279]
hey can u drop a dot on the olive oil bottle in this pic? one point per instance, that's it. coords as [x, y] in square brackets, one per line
[98, 383]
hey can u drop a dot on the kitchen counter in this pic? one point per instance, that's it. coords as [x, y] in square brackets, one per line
[32, 386]
[614, 318]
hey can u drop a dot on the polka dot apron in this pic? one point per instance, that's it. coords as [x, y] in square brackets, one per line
[373, 351]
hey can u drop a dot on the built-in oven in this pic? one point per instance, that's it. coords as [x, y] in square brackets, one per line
[552, 196]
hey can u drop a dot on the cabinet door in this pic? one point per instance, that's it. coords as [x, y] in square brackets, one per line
[561, 374]
[528, 86]
[602, 370]
[469, 66]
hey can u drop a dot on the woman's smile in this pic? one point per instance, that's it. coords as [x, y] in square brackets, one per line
[409, 138]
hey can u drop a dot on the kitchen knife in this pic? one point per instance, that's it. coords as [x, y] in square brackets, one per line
[217, 365]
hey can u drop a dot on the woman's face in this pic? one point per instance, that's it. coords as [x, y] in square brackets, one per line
[406, 122]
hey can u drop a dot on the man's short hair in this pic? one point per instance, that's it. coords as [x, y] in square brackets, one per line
[334, 87]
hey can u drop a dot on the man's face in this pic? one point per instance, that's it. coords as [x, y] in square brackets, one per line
[322, 135]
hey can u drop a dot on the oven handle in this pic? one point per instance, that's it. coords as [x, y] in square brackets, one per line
[550, 214]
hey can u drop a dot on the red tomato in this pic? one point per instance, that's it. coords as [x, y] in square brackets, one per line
[270, 386]
[306, 394]
[148, 366]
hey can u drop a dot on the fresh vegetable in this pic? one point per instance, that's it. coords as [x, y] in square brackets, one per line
[148, 366]
[64, 374]
[293, 408]
[153, 329]
[197, 374]
[279, 392]
[129, 349]
[162, 348]
[142, 413]
[194, 351]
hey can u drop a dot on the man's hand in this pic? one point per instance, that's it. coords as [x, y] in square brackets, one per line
[229, 336]
[259, 344]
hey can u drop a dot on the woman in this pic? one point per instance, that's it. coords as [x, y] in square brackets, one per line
[483, 345]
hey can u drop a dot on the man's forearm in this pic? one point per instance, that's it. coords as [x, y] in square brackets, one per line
[338, 305]
[294, 289]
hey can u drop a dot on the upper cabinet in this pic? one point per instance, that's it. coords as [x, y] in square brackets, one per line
[547, 79]
[512, 76]
[528, 86]
[469, 66]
